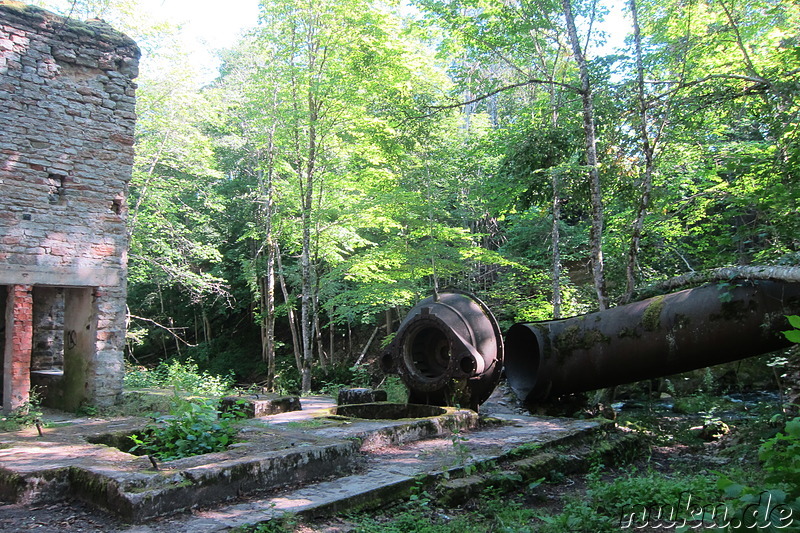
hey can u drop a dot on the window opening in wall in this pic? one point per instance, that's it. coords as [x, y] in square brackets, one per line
[47, 350]
[116, 206]
[48, 329]
[57, 191]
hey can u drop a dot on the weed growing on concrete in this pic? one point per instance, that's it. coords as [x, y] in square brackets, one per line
[461, 450]
[193, 427]
[284, 524]
[311, 423]
[27, 414]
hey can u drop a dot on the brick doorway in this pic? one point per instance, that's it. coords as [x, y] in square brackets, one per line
[47, 342]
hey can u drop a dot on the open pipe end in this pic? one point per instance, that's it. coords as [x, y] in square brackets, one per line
[522, 360]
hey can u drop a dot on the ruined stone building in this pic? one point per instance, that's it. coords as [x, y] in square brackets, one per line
[66, 153]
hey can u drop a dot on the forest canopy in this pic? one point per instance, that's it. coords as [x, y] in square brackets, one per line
[352, 156]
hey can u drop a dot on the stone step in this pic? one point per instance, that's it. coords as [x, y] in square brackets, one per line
[564, 458]
[513, 447]
[76, 461]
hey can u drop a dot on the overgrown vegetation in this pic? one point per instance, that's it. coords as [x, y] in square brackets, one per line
[352, 156]
[184, 376]
[192, 427]
[27, 414]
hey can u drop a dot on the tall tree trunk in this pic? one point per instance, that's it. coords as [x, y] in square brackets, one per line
[647, 151]
[206, 325]
[556, 232]
[305, 315]
[267, 281]
[298, 359]
[349, 354]
[324, 359]
[587, 99]
[556, 245]
[266, 210]
[649, 143]
[270, 315]
[332, 342]
[307, 192]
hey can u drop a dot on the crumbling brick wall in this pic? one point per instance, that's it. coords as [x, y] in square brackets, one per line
[67, 116]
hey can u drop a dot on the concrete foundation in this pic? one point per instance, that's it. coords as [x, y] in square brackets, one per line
[311, 461]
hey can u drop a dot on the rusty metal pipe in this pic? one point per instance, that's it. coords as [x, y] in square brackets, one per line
[665, 335]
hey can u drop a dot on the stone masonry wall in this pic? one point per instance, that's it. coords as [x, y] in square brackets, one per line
[67, 116]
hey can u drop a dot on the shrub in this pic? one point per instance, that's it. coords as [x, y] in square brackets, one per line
[609, 505]
[777, 507]
[184, 376]
[793, 334]
[193, 427]
[27, 414]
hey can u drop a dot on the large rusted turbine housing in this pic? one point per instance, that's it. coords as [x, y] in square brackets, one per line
[448, 351]
[665, 335]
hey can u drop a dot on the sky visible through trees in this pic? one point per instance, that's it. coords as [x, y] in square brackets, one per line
[351, 156]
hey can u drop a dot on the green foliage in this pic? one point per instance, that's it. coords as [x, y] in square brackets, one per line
[334, 133]
[781, 458]
[524, 175]
[183, 376]
[228, 356]
[193, 427]
[419, 516]
[396, 391]
[287, 377]
[27, 414]
[340, 376]
[461, 451]
[774, 501]
[609, 501]
[285, 524]
[794, 334]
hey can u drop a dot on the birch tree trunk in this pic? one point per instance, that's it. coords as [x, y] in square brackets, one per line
[648, 149]
[742, 273]
[587, 99]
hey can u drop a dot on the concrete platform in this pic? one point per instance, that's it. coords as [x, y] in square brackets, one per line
[300, 462]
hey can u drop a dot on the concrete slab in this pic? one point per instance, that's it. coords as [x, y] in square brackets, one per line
[388, 473]
[71, 460]
[306, 462]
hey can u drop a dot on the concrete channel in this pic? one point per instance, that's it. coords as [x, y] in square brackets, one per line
[312, 462]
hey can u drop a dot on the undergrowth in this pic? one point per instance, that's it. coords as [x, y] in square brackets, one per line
[180, 376]
[26, 415]
[192, 427]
